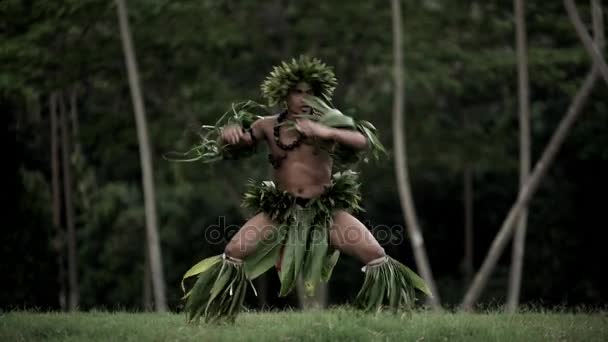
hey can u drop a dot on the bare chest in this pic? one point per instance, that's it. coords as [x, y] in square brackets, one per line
[289, 146]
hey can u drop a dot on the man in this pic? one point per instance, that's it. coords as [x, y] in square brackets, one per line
[304, 218]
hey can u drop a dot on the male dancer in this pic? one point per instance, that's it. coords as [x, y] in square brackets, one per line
[304, 218]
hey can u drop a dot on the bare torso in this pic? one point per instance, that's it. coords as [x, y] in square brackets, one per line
[304, 171]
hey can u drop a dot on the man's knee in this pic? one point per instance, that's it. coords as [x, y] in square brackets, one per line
[234, 250]
[374, 254]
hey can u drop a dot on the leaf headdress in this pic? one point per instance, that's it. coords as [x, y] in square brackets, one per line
[307, 69]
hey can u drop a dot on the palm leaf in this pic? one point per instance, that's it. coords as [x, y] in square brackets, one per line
[316, 255]
[328, 265]
[222, 280]
[330, 117]
[333, 117]
[415, 280]
[199, 295]
[390, 281]
[304, 219]
[200, 267]
[287, 275]
[266, 254]
[209, 149]
[296, 224]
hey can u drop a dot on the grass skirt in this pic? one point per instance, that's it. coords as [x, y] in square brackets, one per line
[300, 244]
[390, 284]
[219, 290]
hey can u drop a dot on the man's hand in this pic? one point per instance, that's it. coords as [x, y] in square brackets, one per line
[312, 129]
[234, 134]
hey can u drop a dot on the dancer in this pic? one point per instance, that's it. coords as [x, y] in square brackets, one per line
[304, 218]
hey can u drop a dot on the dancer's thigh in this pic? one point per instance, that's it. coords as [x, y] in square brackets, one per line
[352, 237]
[244, 242]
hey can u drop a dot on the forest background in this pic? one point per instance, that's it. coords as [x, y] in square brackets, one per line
[79, 219]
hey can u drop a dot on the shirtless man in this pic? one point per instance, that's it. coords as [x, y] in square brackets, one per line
[304, 212]
[304, 171]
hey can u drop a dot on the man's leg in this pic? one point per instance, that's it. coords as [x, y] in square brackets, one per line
[221, 285]
[387, 281]
[351, 237]
[244, 242]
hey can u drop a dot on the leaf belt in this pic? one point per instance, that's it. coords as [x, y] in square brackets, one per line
[300, 244]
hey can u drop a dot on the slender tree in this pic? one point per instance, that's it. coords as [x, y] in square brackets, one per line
[539, 171]
[147, 300]
[468, 222]
[519, 242]
[526, 193]
[73, 289]
[56, 188]
[156, 269]
[401, 170]
[74, 115]
[598, 30]
[467, 182]
[594, 49]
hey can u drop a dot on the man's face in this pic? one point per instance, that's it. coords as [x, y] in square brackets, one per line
[295, 98]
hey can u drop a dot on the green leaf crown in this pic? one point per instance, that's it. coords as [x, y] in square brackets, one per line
[307, 69]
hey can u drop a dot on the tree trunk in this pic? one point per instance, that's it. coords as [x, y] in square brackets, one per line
[60, 241]
[69, 207]
[74, 115]
[401, 170]
[540, 168]
[598, 31]
[158, 281]
[468, 223]
[147, 283]
[593, 49]
[526, 193]
[467, 182]
[519, 241]
[598, 27]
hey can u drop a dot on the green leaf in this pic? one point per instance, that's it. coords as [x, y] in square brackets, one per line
[304, 218]
[330, 117]
[222, 280]
[201, 267]
[287, 275]
[199, 295]
[239, 294]
[376, 290]
[266, 254]
[316, 256]
[415, 280]
[328, 266]
[393, 289]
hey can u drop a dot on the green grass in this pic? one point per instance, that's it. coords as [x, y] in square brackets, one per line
[338, 324]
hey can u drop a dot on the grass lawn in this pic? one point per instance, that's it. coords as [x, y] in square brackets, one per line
[336, 324]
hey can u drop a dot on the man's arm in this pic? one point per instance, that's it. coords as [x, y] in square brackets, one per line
[347, 137]
[351, 138]
[237, 135]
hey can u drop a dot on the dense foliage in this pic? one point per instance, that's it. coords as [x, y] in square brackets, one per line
[197, 57]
